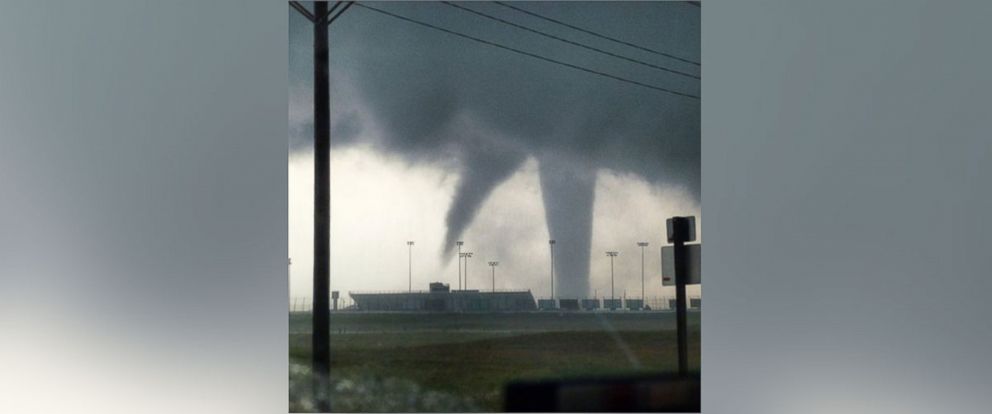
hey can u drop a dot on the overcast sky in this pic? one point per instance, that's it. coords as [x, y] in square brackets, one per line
[436, 138]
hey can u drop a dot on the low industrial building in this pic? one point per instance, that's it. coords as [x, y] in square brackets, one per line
[694, 303]
[440, 298]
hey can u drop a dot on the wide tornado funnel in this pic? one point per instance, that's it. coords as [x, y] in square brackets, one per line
[568, 189]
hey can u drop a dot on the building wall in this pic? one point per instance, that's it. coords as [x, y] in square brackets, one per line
[457, 301]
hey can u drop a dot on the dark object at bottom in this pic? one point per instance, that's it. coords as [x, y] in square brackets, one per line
[669, 393]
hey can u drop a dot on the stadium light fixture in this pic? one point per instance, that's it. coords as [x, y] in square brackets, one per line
[552, 244]
[643, 245]
[410, 264]
[612, 292]
[493, 264]
[466, 256]
[459, 243]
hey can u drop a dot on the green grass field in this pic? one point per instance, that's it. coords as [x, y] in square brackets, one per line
[462, 361]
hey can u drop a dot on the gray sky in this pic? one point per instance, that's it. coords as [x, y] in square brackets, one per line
[437, 138]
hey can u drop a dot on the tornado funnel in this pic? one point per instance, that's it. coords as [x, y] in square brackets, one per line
[568, 189]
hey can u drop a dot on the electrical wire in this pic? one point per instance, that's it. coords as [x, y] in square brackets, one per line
[560, 39]
[602, 36]
[525, 53]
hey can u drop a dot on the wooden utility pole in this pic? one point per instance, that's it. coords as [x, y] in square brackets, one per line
[321, 340]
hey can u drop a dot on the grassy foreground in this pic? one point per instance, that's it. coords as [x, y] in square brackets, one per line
[461, 362]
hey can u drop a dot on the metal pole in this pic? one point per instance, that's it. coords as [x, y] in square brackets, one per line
[493, 265]
[643, 245]
[410, 264]
[321, 209]
[552, 244]
[680, 230]
[612, 289]
[459, 243]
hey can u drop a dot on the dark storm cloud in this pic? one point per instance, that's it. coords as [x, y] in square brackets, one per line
[442, 99]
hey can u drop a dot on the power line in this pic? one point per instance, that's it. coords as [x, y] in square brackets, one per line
[303, 10]
[556, 21]
[343, 9]
[332, 9]
[533, 55]
[327, 19]
[560, 39]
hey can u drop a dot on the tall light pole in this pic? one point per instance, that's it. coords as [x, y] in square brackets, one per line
[466, 255]
[493, 264]
[643, 245]
[409, 245]
[459, 243]
[552, 244]
[612, 296]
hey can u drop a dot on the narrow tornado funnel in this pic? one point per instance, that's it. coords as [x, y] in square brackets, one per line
[485, 168]
[568, 189]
